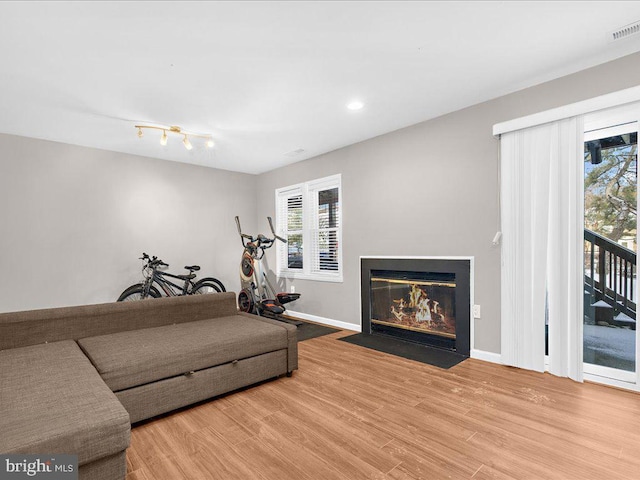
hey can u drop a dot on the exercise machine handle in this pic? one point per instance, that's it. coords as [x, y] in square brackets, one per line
[243, 235]
[274, 232]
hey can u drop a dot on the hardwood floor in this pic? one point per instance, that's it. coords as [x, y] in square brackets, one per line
[353, 413]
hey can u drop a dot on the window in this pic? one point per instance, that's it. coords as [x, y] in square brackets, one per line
[308, 215]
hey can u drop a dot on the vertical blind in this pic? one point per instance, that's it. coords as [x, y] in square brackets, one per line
[542, 227]
[564, 245]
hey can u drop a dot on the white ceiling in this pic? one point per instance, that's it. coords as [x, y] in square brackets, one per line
[267, 78]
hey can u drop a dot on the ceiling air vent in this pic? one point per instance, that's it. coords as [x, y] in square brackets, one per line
[626, 31]
[294, 153]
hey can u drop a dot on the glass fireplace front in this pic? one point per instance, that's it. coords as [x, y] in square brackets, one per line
[417, 306]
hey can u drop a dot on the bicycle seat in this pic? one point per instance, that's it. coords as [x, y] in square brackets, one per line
[192, 268]
[187, 277]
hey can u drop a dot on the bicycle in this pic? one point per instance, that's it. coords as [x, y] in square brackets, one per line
[257, 295]
[154, 276]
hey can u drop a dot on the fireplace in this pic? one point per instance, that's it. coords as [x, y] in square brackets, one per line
[421, 300]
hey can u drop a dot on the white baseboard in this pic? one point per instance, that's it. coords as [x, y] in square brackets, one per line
[486, 356]
[325, 321]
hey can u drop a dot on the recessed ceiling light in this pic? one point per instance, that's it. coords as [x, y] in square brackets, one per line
[355, 105]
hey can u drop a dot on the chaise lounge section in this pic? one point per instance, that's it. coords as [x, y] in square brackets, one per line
[53, 401]
[73, 379]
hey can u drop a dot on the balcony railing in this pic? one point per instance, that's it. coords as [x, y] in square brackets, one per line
[610, 276]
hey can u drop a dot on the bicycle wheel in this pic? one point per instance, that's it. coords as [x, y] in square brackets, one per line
[134, 292]
[204, 287]
[219, 287]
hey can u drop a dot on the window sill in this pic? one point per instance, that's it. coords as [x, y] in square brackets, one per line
[312, 277]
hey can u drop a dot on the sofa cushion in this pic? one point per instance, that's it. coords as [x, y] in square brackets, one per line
[21, 329]
[130, 359]
[53, 401]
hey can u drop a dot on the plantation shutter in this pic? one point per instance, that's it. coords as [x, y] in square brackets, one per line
[290, 225]
[309, 217]
[325, 212]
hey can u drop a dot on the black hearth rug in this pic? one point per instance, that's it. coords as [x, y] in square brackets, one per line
[413, 351]
[307, 331]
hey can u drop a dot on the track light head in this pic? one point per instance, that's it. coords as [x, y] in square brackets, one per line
[140, 133]
[187, 143]
[210, 143]
[163, 139]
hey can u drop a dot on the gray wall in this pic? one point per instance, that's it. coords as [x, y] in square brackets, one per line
[74, 221]
[430, 190]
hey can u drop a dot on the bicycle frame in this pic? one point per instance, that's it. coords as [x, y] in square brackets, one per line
[168, 287]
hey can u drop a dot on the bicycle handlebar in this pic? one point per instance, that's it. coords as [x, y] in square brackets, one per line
[153, 261]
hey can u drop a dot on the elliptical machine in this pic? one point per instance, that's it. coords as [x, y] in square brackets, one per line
[258, 295]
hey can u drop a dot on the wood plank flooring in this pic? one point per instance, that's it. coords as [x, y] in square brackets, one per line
[353, 413]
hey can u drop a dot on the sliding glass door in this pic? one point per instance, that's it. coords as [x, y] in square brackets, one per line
[610, 246]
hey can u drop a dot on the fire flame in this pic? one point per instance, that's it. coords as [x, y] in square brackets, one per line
[420, 301]
[424, 309]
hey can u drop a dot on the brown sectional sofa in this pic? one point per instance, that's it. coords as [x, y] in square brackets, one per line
[73, 379]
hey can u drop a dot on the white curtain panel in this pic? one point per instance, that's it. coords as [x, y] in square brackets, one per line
[542, 244]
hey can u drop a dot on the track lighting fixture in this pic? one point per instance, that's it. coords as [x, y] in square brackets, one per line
[173, 129]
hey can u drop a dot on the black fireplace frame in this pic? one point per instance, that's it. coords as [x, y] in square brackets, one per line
[460, 267]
